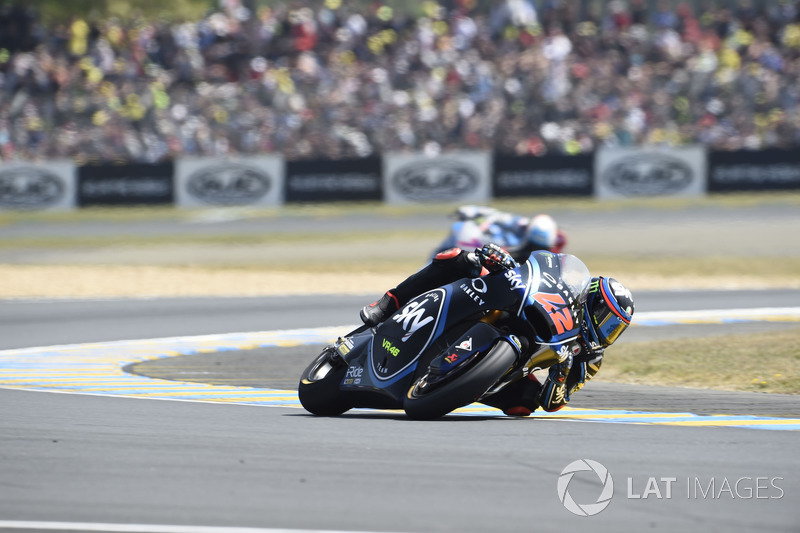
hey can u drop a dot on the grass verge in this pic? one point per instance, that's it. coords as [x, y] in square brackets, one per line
[761, 362]
[516, 205]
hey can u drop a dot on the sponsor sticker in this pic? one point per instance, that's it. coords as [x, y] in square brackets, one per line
[229, 184]
[515, 278]
[648, 174]
[471, 293]
[29, 187]
[389, 347]
[412, 318]
[435, 180]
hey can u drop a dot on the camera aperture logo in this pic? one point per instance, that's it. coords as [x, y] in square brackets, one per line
[586, 509]
[659, 488]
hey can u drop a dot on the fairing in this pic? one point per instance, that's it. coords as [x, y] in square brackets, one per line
[554, 305]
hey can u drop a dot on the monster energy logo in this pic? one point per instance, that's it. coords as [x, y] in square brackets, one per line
[594, 286]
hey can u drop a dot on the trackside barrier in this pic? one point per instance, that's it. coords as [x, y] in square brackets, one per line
[241, 181]
[395, 178]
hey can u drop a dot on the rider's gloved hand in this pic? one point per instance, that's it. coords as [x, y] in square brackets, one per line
[494, 258]
[554, 393]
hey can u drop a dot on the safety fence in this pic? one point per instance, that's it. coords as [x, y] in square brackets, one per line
[396, 178]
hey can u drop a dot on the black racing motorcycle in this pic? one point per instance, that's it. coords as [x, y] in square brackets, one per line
[455, 344]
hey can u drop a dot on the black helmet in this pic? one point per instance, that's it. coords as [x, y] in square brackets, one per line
[608, 311]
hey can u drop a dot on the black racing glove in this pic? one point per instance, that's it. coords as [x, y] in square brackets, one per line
[495, 259]
[555, 394]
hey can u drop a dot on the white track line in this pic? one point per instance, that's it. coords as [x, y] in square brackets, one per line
[150, 528]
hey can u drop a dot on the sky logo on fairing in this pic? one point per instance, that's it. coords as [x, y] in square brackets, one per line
[515, 278]
[413, 317]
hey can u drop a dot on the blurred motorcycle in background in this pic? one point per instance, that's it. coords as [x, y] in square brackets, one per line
[476, 226]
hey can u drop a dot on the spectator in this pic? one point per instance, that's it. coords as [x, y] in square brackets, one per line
[315, 80]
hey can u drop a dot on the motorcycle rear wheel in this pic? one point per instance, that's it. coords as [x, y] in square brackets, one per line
[319, 386]
[421, 404]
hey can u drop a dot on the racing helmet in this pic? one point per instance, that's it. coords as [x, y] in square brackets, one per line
[542, 232]
[608, 310]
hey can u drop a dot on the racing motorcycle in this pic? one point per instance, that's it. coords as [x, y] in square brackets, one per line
[455, 344]
[479, 225]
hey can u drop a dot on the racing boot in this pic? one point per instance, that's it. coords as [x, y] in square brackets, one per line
[528, 400]
[520, 398]
[376, 312]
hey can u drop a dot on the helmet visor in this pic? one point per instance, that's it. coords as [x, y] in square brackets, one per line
[609, 322]
[609, 327]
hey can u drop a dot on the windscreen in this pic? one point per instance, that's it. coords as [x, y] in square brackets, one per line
[576, 276]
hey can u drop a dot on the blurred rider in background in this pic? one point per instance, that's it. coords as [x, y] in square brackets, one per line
[607, 312]
[519, 235]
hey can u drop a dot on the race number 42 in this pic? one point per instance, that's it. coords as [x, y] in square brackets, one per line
[556, 309]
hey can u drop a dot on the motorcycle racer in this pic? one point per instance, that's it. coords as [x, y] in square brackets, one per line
[519, 235]
[607, 312]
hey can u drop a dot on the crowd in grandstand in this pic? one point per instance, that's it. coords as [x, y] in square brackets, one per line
[329, 79]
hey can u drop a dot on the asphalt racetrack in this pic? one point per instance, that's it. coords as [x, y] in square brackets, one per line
[85, 446]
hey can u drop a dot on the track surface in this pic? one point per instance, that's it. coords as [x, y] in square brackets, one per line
[75, 459]
[86, 459]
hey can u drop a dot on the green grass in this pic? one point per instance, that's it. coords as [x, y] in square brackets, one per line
[768, 269]
[713, 267]
[63, 242]
[759, 362]
[520, 205]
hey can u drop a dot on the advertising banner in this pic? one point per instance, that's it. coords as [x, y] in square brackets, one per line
[34, 186]
[125, 184]
[453, 177]
[746, 170]
[650, 171]
[337, 180]
[549, 175]
[243, 181]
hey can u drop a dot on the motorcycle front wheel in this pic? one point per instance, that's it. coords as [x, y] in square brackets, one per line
[319, 385]
[423, 402]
